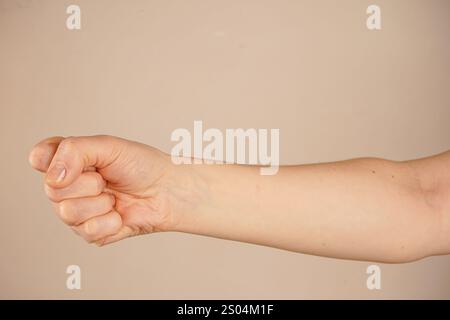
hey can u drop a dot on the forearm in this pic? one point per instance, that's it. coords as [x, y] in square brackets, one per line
[365, 209]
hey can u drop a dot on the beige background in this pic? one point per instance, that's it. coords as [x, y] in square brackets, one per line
[140, 69]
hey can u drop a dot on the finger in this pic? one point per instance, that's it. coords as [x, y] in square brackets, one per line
[42, 153]
[88, 184]
[75, 154]
[76, 211]
[124, 232]
[99, 227]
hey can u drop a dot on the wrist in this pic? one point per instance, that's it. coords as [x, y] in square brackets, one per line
[187, 193]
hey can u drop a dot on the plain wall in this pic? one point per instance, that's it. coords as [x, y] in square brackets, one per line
[140, 69]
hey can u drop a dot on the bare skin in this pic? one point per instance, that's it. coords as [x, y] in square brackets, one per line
[107, 189]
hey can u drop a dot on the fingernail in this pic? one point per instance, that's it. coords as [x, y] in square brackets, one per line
[57, 172]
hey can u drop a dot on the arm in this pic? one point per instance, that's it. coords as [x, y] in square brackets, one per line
[365, 209]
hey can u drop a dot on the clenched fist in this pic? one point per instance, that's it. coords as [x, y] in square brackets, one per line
[106, 188]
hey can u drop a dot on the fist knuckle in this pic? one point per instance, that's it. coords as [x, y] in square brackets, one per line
[52, 194]
[100, 243]
[106, 137]
[68, 144]
[68, 213]
[89, 239]
[69, 141]
[90, 229]
[88, 233]
[116, 222]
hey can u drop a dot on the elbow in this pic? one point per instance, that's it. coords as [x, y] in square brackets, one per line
[430, 196]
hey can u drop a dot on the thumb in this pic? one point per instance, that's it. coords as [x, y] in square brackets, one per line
[77, 154]
[42, 153]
